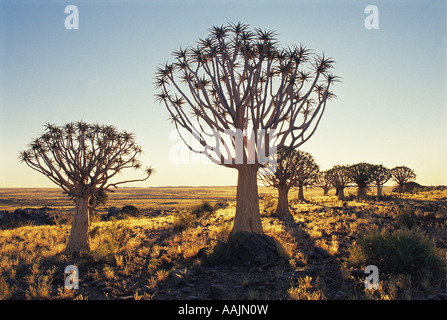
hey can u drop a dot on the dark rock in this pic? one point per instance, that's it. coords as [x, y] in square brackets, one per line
[218, 291]
[21, 217]
[244, 248]
[177, 280]
[315, 255]
[186, 290]
[300, 264]
[429, 217]
[357, 273]
[107, 289]
[310, 270]
[340, 295]
[113, 211]
[324, 253]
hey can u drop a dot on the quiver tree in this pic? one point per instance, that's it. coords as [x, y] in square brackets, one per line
[322, 181]
[99, 198]
[361, 175]
[402, 175]
[297, 168]
[239, 96]
[83, 159]
[340, 177]
[306, 172]
[380, 175]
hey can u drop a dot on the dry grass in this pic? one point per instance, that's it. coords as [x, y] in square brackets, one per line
[150, 257]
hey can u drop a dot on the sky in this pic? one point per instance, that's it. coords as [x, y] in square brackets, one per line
[390, 109]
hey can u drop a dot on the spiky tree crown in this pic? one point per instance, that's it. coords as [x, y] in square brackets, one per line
[238, 79]
[82, 158]
[296, 167]
[380, 174]
[362, 173]
[322, 180]
[340, 176]
[402, 175]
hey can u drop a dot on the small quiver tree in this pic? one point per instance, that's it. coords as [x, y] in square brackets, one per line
[322, 181]
[361, 175]
[240, 96]
[97, 199]
[340, 177]
[307, 172]
[83, 159]
[295, 167]
[402, 175]
[380, 175]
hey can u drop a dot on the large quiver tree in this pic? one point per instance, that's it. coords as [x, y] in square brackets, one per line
[240, 96]
[83, 159]
[402, 175]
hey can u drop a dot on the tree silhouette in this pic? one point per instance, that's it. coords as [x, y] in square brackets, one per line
[380, 175]
[361, 175]
[99, 198]
[322, 181]
[340, 177]
[296, 169]
[402, 175]
[307, 172]
[239, 96]
[82, 159]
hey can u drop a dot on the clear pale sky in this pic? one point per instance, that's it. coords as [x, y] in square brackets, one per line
[391, 106]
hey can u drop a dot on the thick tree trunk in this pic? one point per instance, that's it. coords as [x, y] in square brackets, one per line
[282, 210]
[379, 190]
[401, 188]
[301, 193]
[79, 239]
[341, 194]
[248, 218]
[361, 192]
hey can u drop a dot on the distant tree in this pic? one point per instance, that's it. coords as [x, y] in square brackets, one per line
[402, 175]
[340, 177]
[323, 182]
[238, 93]
[296, 169]
[361, 175]
[99, 198]
[307, 173]
[380, 175]
[82, 159]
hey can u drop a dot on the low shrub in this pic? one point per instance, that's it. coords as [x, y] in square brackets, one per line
[403, 251]
[130, 210]
[406, 218]
[183, 221]
[110, 239]
[203, 209]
